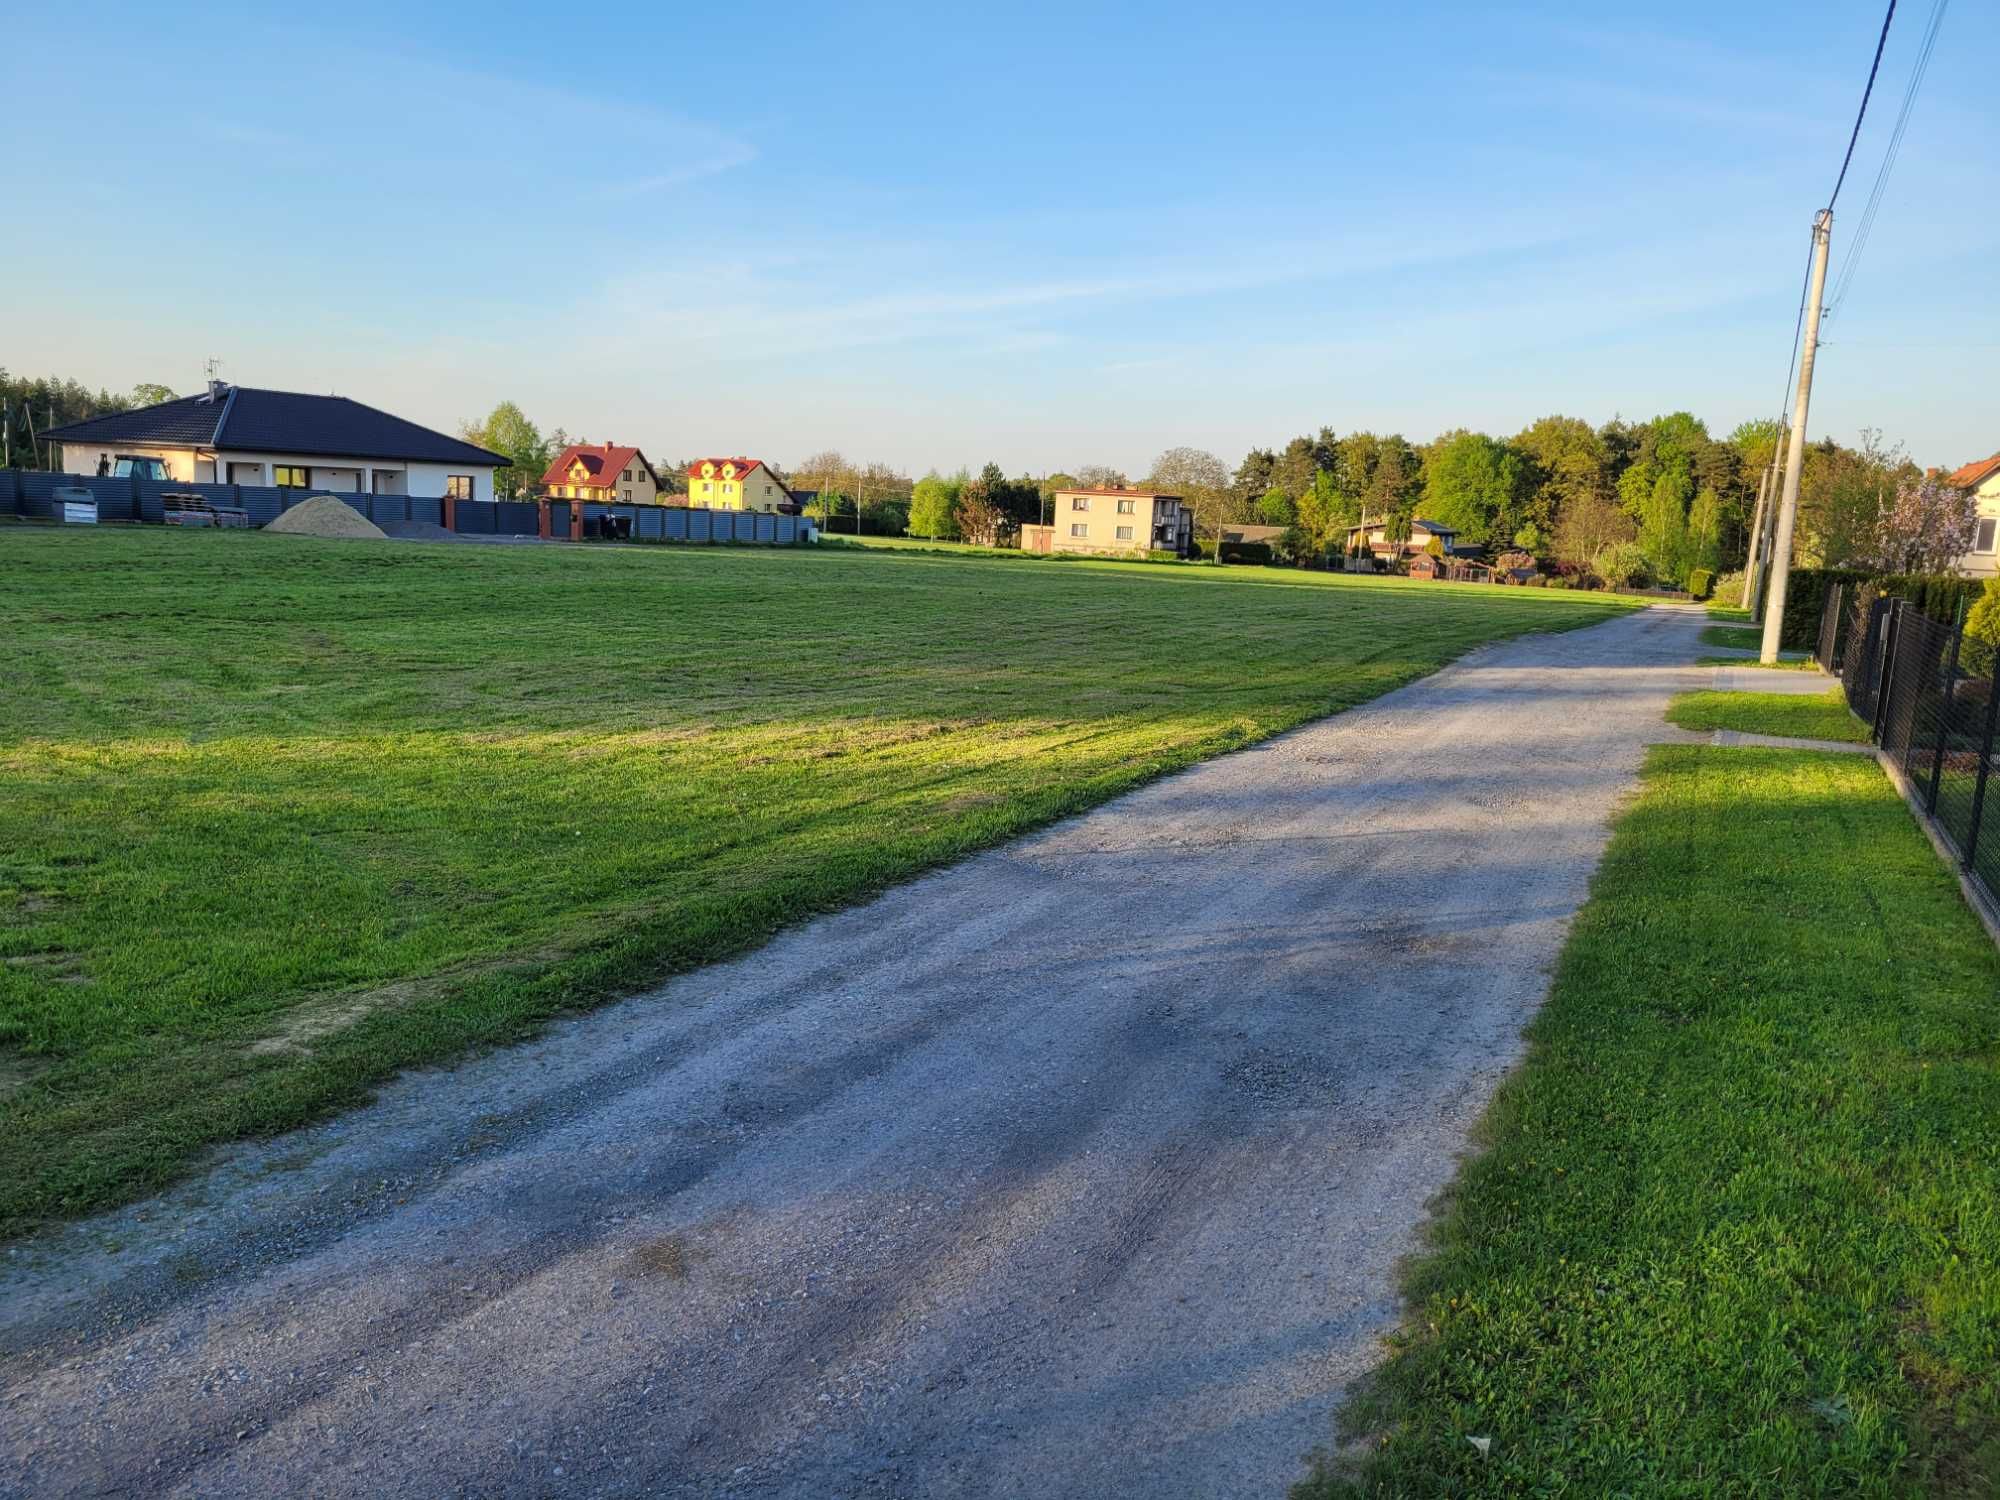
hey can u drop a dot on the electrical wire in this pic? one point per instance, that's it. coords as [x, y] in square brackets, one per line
[1866, 225]
[1880, 42]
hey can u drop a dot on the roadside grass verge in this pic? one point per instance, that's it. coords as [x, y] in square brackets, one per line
[1782, 664]
[1742, 638]
[1734, 1226]
[1734, 613]
[285, 816]
[1814, 716]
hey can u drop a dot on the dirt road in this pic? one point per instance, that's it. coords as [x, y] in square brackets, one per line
[1077, 1169]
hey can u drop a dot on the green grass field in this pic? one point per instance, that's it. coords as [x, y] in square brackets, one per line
[1805, 716]
[1734, 1230]
[1738, 637]
[285, 816]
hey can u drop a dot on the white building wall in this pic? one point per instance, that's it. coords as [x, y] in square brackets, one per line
[1987, 563]
[348, 475]
[82, 458]
[428, 479]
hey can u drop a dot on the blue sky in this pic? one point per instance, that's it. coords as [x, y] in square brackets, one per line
[1044, 235]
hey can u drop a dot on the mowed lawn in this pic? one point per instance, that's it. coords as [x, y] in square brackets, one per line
[1736, 1226]
[286, 815]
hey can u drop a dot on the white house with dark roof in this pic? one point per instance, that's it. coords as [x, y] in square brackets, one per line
[234, 434]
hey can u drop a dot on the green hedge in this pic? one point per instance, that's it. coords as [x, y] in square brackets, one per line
[1701, 582]
[1257, 553]
[1942, 598]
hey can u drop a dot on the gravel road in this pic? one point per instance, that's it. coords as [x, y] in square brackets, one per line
[1078, 1168]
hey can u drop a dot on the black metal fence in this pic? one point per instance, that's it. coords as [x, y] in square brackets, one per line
[1931, 695]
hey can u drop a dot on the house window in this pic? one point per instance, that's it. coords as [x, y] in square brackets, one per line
[704, 486]
[290, 476]
[1983, 538]
[1079, 528]
[458, 486]
[1124, 507]
[628, 497]
[1079, 502]
[628, 476]
[1124, 533]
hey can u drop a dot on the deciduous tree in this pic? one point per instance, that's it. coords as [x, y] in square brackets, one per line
[934, 506]
[508, 432]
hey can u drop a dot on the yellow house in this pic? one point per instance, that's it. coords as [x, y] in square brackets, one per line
[735, 484]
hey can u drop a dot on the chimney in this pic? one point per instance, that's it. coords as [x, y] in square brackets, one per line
[217, 389]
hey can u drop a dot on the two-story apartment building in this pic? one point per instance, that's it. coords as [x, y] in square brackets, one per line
[604, 472]
[736, 484]
[1983, 479]
[1114, 521]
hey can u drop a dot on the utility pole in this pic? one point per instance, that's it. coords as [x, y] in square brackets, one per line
[1756, 536]
[1767, 516]
[1795, 458]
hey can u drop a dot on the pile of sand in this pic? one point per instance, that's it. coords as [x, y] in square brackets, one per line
[322, 515]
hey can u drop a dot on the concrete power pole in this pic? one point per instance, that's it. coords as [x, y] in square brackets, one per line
[1795, 457]
[1760, 554]
[1756, 539]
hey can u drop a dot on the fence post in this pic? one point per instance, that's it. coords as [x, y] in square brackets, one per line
[1987, 747]
[1887, 668]
[1829, 625]
[1944, 721]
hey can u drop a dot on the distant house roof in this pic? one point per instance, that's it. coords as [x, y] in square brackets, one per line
[1112, 489]
[601, 461]
[1435, 528]
[1971, 476]
[245, 419]
[1232, 533]
[743, 465]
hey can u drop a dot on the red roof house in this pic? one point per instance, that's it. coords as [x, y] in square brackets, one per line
[602, 471]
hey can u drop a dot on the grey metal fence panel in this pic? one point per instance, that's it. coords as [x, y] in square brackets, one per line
[675, 523]
[426, 508]
[651, 523]
[265, 503]
[559, 519]
[516, 518]
[10, 491]
[476, 517]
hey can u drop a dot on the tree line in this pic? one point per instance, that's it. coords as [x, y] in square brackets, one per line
[31, 405]
[1646, 501]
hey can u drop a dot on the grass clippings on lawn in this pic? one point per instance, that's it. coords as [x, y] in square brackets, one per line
[1804, 716]
[284, 817]
[1736, 1225]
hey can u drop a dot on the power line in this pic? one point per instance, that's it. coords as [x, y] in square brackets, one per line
[1867, 224]
[1880, 42]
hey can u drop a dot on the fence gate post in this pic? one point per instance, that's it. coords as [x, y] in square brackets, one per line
[1987, 747]
[1944, 721]
[1886, 668]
